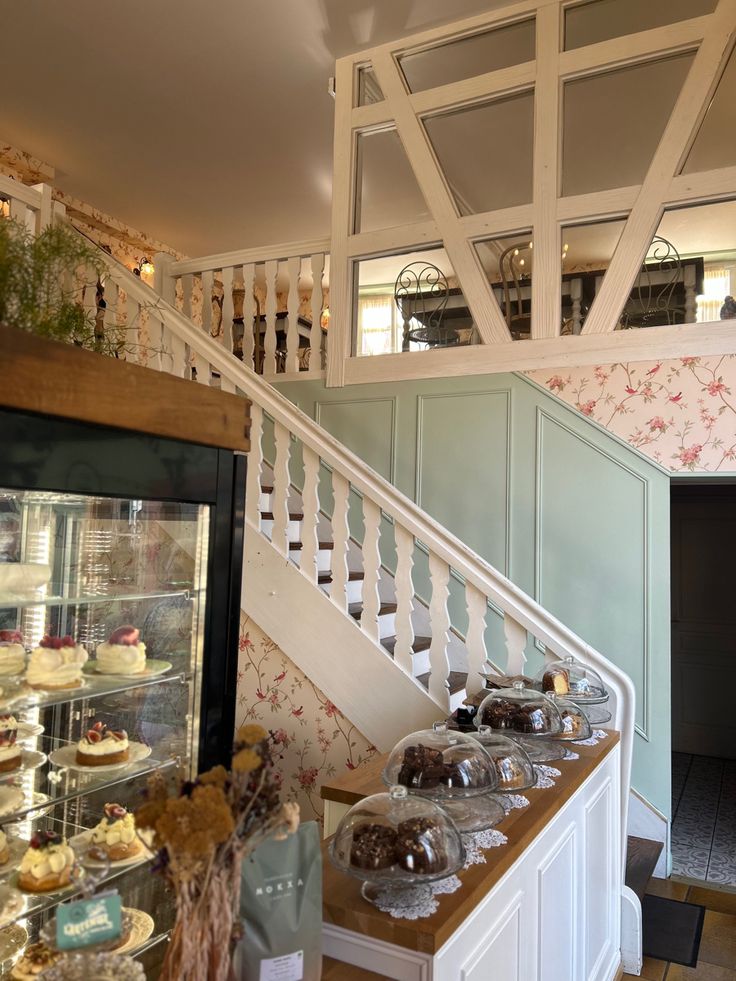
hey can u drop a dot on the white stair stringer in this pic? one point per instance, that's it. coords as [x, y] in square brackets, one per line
[330, 648]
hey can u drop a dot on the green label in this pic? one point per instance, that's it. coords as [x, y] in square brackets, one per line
[88, 921]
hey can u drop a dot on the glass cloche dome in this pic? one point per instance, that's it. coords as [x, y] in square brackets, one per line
[572, 680]
[441, 763]
[397, 839]
[519, 711]
[513, 766]
[575, 722]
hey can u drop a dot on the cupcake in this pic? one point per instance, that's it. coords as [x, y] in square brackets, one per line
[101, 746]
[56, 663]
[115, 837]
[124, 652]
[12, 652]
[36, 958]
[47, 864]
[10, 751]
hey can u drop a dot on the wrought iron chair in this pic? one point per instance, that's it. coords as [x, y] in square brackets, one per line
[656, 299]
[515, 267]
[421, 294]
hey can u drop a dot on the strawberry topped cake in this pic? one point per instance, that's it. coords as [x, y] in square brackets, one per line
[124, 652]
[12, 652]
[9, 750]
[115, 836]
[56, 663]
[101, 746]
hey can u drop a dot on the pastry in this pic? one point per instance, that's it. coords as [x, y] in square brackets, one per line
[47, 864]
[12, 652]
[101, 746]
[124, 653]
[557, 680]
[56, 664]
[572, 724]
[10, 751]
[115, 837]
[4, 850]
[420, 847]
[372, 847]
[36, 958]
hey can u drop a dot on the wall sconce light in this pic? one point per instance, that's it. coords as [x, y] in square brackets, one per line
[144, 267]
[324, 320]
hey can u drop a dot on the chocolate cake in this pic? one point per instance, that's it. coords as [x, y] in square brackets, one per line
[423, 768]
[504, 713]
[373, 846]
[420, 846]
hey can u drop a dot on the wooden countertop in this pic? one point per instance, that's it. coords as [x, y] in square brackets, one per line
[343, 905]
[57, 379]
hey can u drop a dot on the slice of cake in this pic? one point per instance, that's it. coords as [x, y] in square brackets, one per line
[102, 746]
[124, 652]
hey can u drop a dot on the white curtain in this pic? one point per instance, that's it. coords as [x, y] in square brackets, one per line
[716, 287]
[376, 324]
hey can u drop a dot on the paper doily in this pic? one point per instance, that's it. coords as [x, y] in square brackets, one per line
[414, 903]
[594, 739]
[545, 776]
[479, 842]
[512, 801]
[570, 755]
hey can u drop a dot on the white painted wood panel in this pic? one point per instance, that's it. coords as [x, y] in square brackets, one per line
[558, 909]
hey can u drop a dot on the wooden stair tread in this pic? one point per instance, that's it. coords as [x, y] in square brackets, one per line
[325, 578]
[293, 516]
[296, 546]
[642, 855]
[355, 609]
[420, 644]
[456, 680]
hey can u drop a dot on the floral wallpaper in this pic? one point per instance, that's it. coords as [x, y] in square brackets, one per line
[315, 739]
[681, 413]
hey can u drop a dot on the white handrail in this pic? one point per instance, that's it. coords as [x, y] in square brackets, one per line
[241, 257]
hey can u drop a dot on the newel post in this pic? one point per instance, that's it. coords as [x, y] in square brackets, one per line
[164, 282]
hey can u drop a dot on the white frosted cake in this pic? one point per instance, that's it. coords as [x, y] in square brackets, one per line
[115, 835]
[56, 663]
[10, 751]
[124, 652]
[12, 652]
[101, 746]
[47, 864]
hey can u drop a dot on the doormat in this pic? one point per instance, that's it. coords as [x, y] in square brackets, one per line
[672, 930]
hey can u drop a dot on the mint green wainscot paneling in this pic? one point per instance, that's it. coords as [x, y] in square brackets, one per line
[574, 516]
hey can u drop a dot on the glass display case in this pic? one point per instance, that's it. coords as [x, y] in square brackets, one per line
[120, 563]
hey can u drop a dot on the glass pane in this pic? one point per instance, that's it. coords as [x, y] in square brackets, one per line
[508, 264]
[689, 274]
[600, 20]
[369, 91]
[486, 153]
[409, 302]
[469, 56]
[715, 144]
[387, 193]
[586, 254]
[614, 147]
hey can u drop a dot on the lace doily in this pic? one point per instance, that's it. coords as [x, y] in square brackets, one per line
[404, 903]
[595, 738]
[545, 776]
[512, 801]
[479, 842]
[570, 755]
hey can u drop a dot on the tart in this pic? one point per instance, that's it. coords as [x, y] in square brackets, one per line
[101, 746]
[12, 652]
[115, 837]
[56, 664]
[36, 958]
[10, 751]
[47, 864]
[124, 653]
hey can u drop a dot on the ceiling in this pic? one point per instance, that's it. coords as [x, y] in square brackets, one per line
[205, 124]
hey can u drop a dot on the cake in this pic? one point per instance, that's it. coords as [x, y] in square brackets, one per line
[557, 680]
[124, 652]
[572, 724]
[47, 864]
[101, 746]
[424, 768]
[420, 846]
[36, 958]
[10, 751]
[373, 846]
[115, 837]
[12, 652]
[4, 850]
[56, 664]
[503, 713]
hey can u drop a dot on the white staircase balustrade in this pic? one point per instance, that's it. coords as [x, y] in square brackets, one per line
[30, 206]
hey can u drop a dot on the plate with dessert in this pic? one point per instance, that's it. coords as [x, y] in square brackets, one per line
[28, 730]
[47, 865]
[12, 851]
[141, 928]
[11, 799]
[13, 939]
[13, 755]
[124, 656]
[56, 664]
[36, 958]
[100, 749]
[113, 841]
[12, 654]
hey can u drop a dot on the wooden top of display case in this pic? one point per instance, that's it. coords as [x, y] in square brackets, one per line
[344, 906]
[56, 379]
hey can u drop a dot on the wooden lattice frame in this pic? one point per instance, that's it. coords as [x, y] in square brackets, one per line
[711, 37]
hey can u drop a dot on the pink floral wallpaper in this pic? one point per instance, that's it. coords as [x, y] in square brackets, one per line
[316, 741]
[681, 413]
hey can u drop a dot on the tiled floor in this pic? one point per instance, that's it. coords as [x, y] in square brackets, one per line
[704, 818]
[717, 957]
